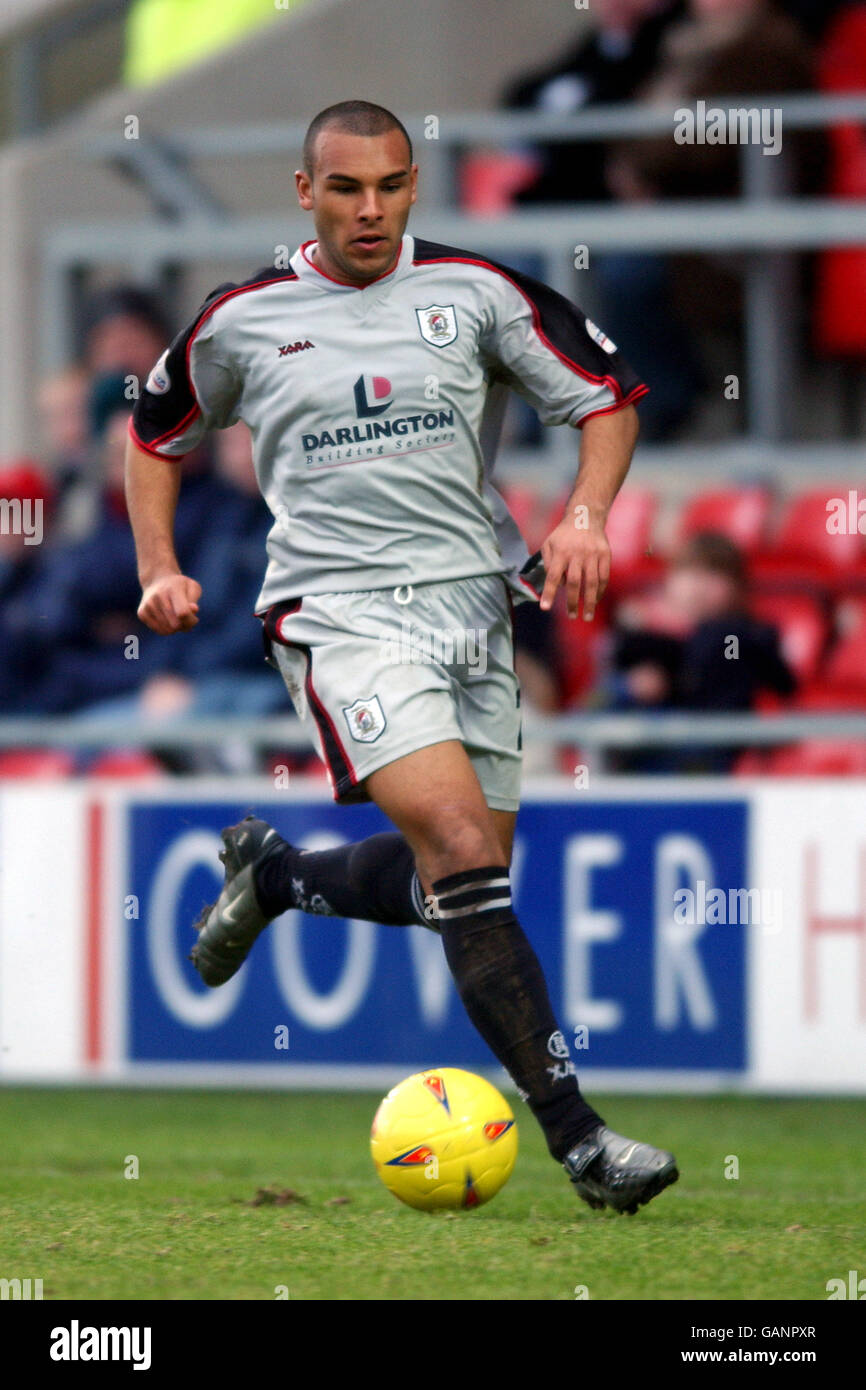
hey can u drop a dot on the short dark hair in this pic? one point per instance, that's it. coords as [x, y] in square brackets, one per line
[125, 300]
[354, 117]
[716, 552]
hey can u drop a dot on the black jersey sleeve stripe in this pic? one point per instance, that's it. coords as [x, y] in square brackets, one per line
[159, 418]
[560, 324]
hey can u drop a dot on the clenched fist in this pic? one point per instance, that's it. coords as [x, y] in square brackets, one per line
[170, 604]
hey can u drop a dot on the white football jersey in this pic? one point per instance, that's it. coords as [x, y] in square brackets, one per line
[375, 412]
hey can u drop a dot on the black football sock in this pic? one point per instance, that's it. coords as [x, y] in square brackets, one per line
[500, 981]
[373, 879]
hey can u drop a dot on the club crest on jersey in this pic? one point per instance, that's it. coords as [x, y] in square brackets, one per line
[438, 324]
[159, 380]
[601, 338]
[366, 719]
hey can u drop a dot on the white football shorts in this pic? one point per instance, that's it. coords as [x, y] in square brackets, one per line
[376, 674]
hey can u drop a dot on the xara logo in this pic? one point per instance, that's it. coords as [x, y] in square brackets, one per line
[373, 394]
[288, 348]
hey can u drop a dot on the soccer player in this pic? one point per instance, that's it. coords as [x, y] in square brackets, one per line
[372, 372]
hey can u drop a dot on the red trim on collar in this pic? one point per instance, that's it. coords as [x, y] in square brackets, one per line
[346, 283]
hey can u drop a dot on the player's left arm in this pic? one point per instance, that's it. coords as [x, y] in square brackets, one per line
[577, 552]
[548, 351]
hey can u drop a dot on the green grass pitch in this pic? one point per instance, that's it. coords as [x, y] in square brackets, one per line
[188, 1227]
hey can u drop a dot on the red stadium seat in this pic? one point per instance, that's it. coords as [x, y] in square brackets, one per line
[579, 646]
[489, 180]
[525, 505]
[816, 758]
[841, 699]
[752, 762]
[629, 530]
[741, 514]
[572, 763]
[846, 664]
[803, 629]
[36, 762]
[819, 758]
[131, 763]
[809, 551]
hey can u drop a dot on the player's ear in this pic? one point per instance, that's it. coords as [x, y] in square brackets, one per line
[304, 186]
[414, 183]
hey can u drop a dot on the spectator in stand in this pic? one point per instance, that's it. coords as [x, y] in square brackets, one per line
[62, 406]
[125, 331]
[814, 16]
[695, 646]
[608, 66]
[81, 607]
[219, 668]
[721, 48]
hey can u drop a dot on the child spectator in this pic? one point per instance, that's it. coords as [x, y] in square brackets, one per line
[695, 646]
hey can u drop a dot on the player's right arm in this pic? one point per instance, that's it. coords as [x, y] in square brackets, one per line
[169, 598]
[189, 391]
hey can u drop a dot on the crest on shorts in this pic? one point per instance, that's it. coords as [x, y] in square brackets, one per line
[366, 719]
[438, 324]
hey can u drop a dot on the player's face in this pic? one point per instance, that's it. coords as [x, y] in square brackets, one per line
[360, 195]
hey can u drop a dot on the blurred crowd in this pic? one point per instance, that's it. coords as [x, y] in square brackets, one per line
[672, 53]
[735, 599]
[72, 642]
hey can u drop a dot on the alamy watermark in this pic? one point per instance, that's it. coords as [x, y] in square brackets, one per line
[22, 517]
[854, 1287]
[713, 907]
[846, 516]
[418, 646]
[20, 1289]
[77, 1343]
[738, 125]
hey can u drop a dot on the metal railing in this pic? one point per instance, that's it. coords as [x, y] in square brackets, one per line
[439, 146]
[597, 735]
[764, 227]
